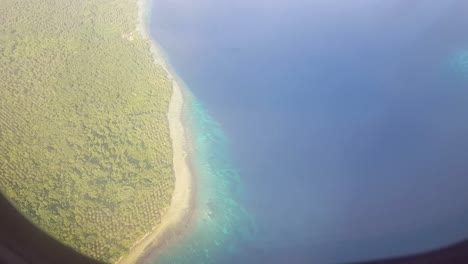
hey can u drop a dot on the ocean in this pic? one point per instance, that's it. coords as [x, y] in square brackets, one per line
[323, 131]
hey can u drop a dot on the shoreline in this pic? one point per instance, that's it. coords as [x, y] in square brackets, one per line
[177, 218]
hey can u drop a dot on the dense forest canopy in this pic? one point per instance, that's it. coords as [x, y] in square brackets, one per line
[85, 151]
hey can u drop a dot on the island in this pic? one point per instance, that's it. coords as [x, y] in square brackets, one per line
[93, 147]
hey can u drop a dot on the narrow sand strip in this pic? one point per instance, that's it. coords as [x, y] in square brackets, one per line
[178, 214]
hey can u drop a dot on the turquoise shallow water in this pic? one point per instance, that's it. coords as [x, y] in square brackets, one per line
[459, 62]
[220, 222]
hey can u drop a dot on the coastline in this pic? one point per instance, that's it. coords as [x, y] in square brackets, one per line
[177, 217]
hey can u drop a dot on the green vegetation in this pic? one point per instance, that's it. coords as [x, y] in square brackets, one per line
[85, 151]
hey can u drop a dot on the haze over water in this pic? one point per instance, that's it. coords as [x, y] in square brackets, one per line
[346, 120]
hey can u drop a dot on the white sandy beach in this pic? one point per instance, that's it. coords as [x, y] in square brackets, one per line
[178, 214]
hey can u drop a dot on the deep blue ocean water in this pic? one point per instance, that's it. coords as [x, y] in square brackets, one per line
[341, 129]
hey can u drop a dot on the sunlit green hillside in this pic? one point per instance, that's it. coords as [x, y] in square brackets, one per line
[85, 151]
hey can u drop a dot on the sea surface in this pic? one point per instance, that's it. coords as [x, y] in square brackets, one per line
[324, 131]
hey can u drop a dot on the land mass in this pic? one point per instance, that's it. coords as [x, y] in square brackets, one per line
[90, 126]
